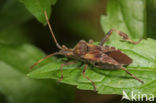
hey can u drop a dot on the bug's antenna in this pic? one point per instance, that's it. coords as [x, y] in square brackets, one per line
[52, 33]
[50, 55]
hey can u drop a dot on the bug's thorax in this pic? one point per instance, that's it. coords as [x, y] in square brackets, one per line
[80, 49]
[83, 48]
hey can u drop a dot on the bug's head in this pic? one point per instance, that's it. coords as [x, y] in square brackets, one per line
[81, 48]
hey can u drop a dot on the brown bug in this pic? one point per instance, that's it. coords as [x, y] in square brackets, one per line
[97, 55]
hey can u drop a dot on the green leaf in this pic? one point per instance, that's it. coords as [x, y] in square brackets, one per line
[123, 16]
[128, 16]
[108, 81]
[37, 8]
[15, 62]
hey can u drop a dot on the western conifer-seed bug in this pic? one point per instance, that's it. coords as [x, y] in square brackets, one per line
[100, 56]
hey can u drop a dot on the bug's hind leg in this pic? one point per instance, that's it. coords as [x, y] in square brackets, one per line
[122, 34]
[132, 75]
[61, 69]
[84, 71]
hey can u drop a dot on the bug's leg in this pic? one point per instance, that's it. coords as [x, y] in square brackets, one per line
[122, 34]
[84, 71]
[39, 61]
[91, 41]
[132, 75]
[61, 69]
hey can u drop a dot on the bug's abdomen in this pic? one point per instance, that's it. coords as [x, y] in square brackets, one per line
[108, 66]
[120, 57]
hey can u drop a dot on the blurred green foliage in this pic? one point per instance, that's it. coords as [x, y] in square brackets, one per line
[72, 20]
[151, 18]
[16, 57]
[126, 16]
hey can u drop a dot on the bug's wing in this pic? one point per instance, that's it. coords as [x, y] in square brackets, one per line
[100, 57]
[120, 57]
